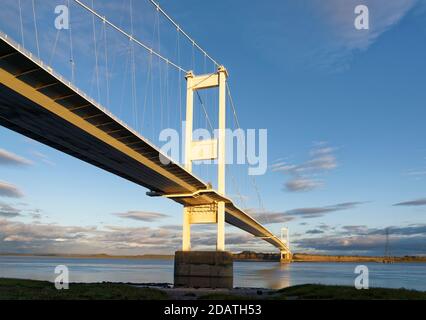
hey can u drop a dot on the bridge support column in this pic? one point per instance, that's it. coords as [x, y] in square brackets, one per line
[186, 230]
[207, 269]
[220, 243]
[203, 269]
[286, 257]
[223, 75]
[213, 269]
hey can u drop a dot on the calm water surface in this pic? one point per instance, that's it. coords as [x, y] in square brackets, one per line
[246, 274]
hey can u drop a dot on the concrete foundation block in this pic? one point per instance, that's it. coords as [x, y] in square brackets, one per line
[286, 258]
[203, 269]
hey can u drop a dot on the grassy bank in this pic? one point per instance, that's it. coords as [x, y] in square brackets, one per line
[313, 291]
[328, 292]
[16, 289]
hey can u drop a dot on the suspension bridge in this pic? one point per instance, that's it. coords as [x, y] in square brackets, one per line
[40, 103]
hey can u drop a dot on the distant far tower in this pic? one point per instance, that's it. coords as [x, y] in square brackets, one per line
[387, 250]
[285, 236]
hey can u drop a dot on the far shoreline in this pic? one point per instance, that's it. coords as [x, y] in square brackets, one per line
[241, 257]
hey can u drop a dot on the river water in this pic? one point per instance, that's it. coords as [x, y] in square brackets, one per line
[246, 274]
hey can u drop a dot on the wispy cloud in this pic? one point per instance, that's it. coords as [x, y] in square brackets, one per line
[343, 39]
[356, 239]
[330, 39]
[43, 158]
[314, 231]
[417, 173]
[38, 237]
[142, 215]
[420, 171]
[269, 217]
[9, 190]
[417, 202]
[9, 158]
[356, 229]
[315, 212]
[232, 239]
[7, 211]
[322, 159]
[17, 236]
[303, 176]
[302, 184]
[417, 229]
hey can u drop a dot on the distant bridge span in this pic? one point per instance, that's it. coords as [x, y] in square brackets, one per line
[41, 105]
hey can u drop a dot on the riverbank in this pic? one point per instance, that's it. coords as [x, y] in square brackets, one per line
[304, 257]
[19, 289]
[301, 257]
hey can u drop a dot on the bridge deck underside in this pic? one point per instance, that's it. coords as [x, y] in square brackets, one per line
[42, 106]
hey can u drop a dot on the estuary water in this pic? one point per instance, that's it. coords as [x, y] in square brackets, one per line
[246, 274]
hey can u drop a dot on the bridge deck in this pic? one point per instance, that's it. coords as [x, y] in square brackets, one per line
[39, 104]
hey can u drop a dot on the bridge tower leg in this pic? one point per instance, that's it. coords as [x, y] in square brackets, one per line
[285, 255]
[186, 232]
[220, 246]
[205, 268]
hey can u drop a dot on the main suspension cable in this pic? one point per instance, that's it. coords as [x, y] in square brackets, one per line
[194, 43]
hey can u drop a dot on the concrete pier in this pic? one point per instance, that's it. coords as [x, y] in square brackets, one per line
[286, 257]
[203, 269]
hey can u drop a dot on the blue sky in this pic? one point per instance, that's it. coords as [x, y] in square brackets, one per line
[344, 109]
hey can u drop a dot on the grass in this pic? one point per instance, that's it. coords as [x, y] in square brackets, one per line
[316, 291]
[17, 289]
